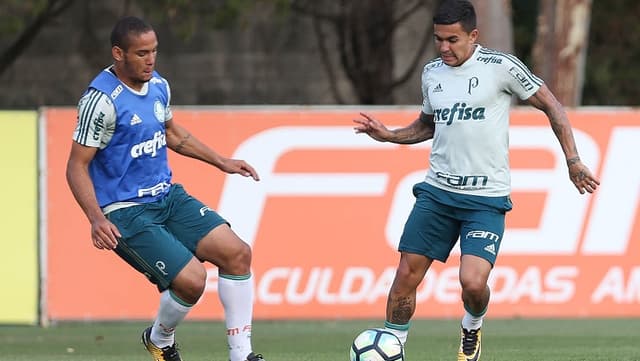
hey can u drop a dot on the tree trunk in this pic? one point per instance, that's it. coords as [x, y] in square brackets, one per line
[367, 55]
[494, 24]
[364, 35]
[560, 49]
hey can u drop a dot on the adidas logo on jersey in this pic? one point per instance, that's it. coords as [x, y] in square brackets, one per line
[491, 249]
[438, 88]
[135, 119]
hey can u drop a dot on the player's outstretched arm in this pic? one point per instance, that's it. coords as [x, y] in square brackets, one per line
[420, 130]
[184, 143]
[579, 174]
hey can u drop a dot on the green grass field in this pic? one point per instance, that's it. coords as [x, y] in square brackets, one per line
[429, 340]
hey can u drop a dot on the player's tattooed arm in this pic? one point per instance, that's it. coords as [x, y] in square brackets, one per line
[184, 140]
[416, 132]
[544, 100]
[187, 144]
[579, 174]
[573, 160]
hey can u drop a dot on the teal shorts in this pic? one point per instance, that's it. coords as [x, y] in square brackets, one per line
[439, 218]
[160, 238]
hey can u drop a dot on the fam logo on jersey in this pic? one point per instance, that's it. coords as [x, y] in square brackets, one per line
[158, 110]
[462, 181]
[460, 112]
[493, 237]
[523, 79]
[116, 91]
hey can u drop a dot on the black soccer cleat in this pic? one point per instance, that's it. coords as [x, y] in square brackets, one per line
[255, 357]
[470, 341]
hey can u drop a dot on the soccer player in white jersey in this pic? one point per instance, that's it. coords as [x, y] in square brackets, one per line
[118, 172]
[467, 93]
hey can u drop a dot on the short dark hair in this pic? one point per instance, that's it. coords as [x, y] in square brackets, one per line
[126, 26]
[453, 11]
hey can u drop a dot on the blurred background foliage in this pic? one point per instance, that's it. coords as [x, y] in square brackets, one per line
[357, 41]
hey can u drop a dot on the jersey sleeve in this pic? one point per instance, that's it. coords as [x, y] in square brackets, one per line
[426, 104]
[168, 115]
[519, 79]
[96, 121]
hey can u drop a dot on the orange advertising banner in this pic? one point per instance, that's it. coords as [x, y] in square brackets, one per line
[326, 216]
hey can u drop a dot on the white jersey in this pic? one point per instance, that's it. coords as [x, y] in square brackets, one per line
[470, 104]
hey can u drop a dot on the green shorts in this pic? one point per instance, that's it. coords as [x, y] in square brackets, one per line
[439, 218]
[160, 238]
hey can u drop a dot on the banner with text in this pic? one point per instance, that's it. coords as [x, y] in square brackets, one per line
[325, 218]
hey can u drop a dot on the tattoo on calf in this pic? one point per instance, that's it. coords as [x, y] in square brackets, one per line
[402, 310]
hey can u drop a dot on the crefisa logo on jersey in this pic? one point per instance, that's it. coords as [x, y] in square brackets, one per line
[490, 59]
[158, 110]
[98, 126]
[459, 111]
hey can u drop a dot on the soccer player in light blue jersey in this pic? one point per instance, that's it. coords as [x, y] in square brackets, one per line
[467, 93]
[119, 175]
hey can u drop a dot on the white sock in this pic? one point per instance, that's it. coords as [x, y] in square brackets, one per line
[471, 322]
[401, 331]
[172, 310]
[236, 296]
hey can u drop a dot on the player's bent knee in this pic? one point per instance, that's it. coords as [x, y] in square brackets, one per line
[237, 262]
[405, 281]
[189, 292]
[190, 283]
[473, 285]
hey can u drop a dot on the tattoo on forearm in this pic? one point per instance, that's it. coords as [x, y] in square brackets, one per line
[573, 160]
[182, 142]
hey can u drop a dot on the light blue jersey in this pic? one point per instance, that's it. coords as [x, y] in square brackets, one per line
[128, 127]
[470, 104]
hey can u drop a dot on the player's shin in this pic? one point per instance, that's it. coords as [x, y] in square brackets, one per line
[401, 331]
[171, 312]
[236, 296]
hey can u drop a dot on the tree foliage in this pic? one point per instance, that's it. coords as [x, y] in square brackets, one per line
[22, 20]
[523, 17]
[355, 37]
[187, 17]
[363, 34]
[612, 75]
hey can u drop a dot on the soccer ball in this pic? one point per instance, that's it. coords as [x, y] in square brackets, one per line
[376, 345]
